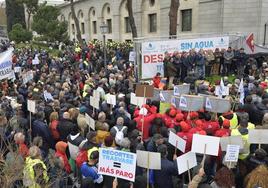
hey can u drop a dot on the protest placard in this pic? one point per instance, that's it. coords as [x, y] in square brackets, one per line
[90, 121]
[111, 99]
[132, 56]
[215, 104]
[149, 160]
[94, 102]
[6, 64]
[181, 89]
[117, 163]
[17, 69]
[48, 96]
[258, 136]
[205, 144]
[190, 102]
[231, 140]
[232, 153]
[186, 162]
[31, 106]
[225, 91]
[96, 94]
[177, 141]
[144, 90]
[138, 101]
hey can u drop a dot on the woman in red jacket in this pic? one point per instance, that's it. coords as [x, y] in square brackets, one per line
[60, 152]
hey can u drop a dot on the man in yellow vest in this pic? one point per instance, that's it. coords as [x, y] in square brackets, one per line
[242, 130]
[232, 117]
[35, 171]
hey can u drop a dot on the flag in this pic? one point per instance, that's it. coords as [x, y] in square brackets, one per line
[250, 42]
[222, 89]
[241, 91]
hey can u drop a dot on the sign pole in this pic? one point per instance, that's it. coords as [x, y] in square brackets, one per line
[148, 170]
[30, 135]
[204, 156]
[189, 174]
[142, 125]
[176, 147]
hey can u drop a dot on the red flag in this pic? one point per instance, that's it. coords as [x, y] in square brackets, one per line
[250, 42]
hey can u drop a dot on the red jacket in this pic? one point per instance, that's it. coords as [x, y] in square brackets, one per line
[146, 126]
[60, 152]
[81, 158]
[53, 129]
[23, 150]
[211, 126]
[156, 81]
[223, 132]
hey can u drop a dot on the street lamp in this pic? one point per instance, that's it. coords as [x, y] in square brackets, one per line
[104, 30]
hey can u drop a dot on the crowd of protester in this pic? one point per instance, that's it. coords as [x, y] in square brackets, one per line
[55, 148]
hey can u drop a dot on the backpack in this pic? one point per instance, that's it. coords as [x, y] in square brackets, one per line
[119, 134]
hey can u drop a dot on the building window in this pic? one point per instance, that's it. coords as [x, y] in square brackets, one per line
[152, 23]
[73, 30]
[110, 40]
[127, 40]
[83, 28]
[152, 2]
[108, 10]
[127, 25]
[109, 23]
[94, 25]
[93, 12]
[186, 20]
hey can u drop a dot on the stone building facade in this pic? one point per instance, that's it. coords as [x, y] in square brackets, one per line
[152, 20]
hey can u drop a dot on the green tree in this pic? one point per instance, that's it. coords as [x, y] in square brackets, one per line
[15, 14]
[31, 7]
[19, 34]
[45, 23]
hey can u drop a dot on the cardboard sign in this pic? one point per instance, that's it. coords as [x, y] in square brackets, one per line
[231, 140]
[26, 77]
[111, 99]
[205, 144]
[31, 106]
[117, 163]
[258, 136]
[94, 102]
[177, 141]
[190, 102]
[132, 56]
[48, 96]
[218, 105]
[96, 94]
[90, 121]
[181, 89]
[144, 91]
[149, 160]
[35, 61]
[138, 101]
[232, 153]
[186, 162]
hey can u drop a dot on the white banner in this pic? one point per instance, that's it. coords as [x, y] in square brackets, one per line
[117, 163]
[153, 52]
[6, 65]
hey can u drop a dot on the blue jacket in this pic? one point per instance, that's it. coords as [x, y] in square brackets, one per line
[163, 177]
[91, 171]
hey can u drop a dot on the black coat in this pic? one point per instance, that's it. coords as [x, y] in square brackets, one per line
[65, 128]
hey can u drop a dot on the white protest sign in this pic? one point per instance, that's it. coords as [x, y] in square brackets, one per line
[162, 98]
[17, 69]
[186, 162]
[90, 121]
[258, 136]
[183, 102]
[117, 163]
[225, 91]
[150, 160]
[208, 103]
[35, 61]
[205, 144]
[94, 102]
[96, 94]
[111, 99]
[6, 64]
[231, 140]
[31, 106]
[48, 96]
[232, 153]
[132, 56]
[181, 89]
[177, 141]
[138, 101]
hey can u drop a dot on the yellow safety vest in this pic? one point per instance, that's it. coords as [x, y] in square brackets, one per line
[28, 173]
[233, 121]
[86, 87]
